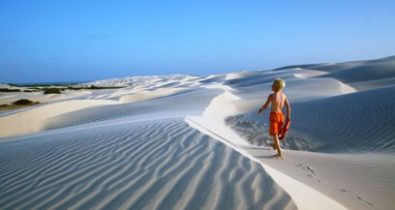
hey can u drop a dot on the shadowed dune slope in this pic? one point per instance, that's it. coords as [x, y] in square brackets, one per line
[368, 71]
[362, 121]
[356, 122]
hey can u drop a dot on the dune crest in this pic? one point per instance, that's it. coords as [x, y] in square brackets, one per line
[196, 142]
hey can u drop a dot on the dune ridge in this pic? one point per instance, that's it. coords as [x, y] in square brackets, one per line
[196, 142]
[349, 128]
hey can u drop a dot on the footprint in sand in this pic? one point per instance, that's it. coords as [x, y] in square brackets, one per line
[356, 196]
[310, 172]
[278, 157]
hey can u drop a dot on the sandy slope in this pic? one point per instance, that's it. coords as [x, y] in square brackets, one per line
[161, 164]
[145, 95]
[354, 181]
[301, 193]
[142, 155]
[357, 122]
[340, 120]
[362, 75]
[8, 98]
[190, 102]
[33, 120]
[357, 181]
[51, 113]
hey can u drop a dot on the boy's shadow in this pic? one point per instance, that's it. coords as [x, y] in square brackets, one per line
[266, 156]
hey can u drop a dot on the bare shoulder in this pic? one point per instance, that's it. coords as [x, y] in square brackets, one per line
[286, 99]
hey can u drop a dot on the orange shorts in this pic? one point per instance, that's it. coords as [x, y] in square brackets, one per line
[276, 122]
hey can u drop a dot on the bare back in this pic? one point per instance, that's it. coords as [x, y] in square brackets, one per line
[277, 101]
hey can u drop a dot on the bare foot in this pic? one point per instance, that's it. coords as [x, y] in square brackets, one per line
[279, 157]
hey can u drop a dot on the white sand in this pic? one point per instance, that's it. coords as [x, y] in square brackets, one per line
[40, 97]
[39, 117]
[145, 95]
[161, 164]
[32, 120]
[189, 142]
[352, 123]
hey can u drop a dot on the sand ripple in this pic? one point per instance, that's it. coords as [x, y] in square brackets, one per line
[359, 122]
[162, 164]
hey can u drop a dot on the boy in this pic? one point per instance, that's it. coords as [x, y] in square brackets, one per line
[277, 100]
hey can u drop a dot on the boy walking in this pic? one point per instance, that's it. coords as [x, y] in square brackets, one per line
[277, 99]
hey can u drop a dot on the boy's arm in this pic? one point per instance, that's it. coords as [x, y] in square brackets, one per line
[264, 106]
[288, 107]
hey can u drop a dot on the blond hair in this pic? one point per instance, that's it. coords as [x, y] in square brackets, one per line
[278, 84]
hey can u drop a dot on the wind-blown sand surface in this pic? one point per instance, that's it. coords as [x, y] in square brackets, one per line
[161, 164]
[196, 142]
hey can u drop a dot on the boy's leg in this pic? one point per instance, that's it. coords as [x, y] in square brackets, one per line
[277, 145]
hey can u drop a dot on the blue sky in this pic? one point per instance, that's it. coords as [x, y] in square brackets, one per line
[47, 41]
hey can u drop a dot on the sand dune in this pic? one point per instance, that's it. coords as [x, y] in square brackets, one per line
[338, 119]
[371, 71]
[190, 102]
[145, 95]
[42, 98]
[357, 181]
[154, 81]
[358, 122]
[362, 75]
[33, 120]
[196, 142]
[59, 113]
[353, 181]
[149, 165]
[302, 85]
